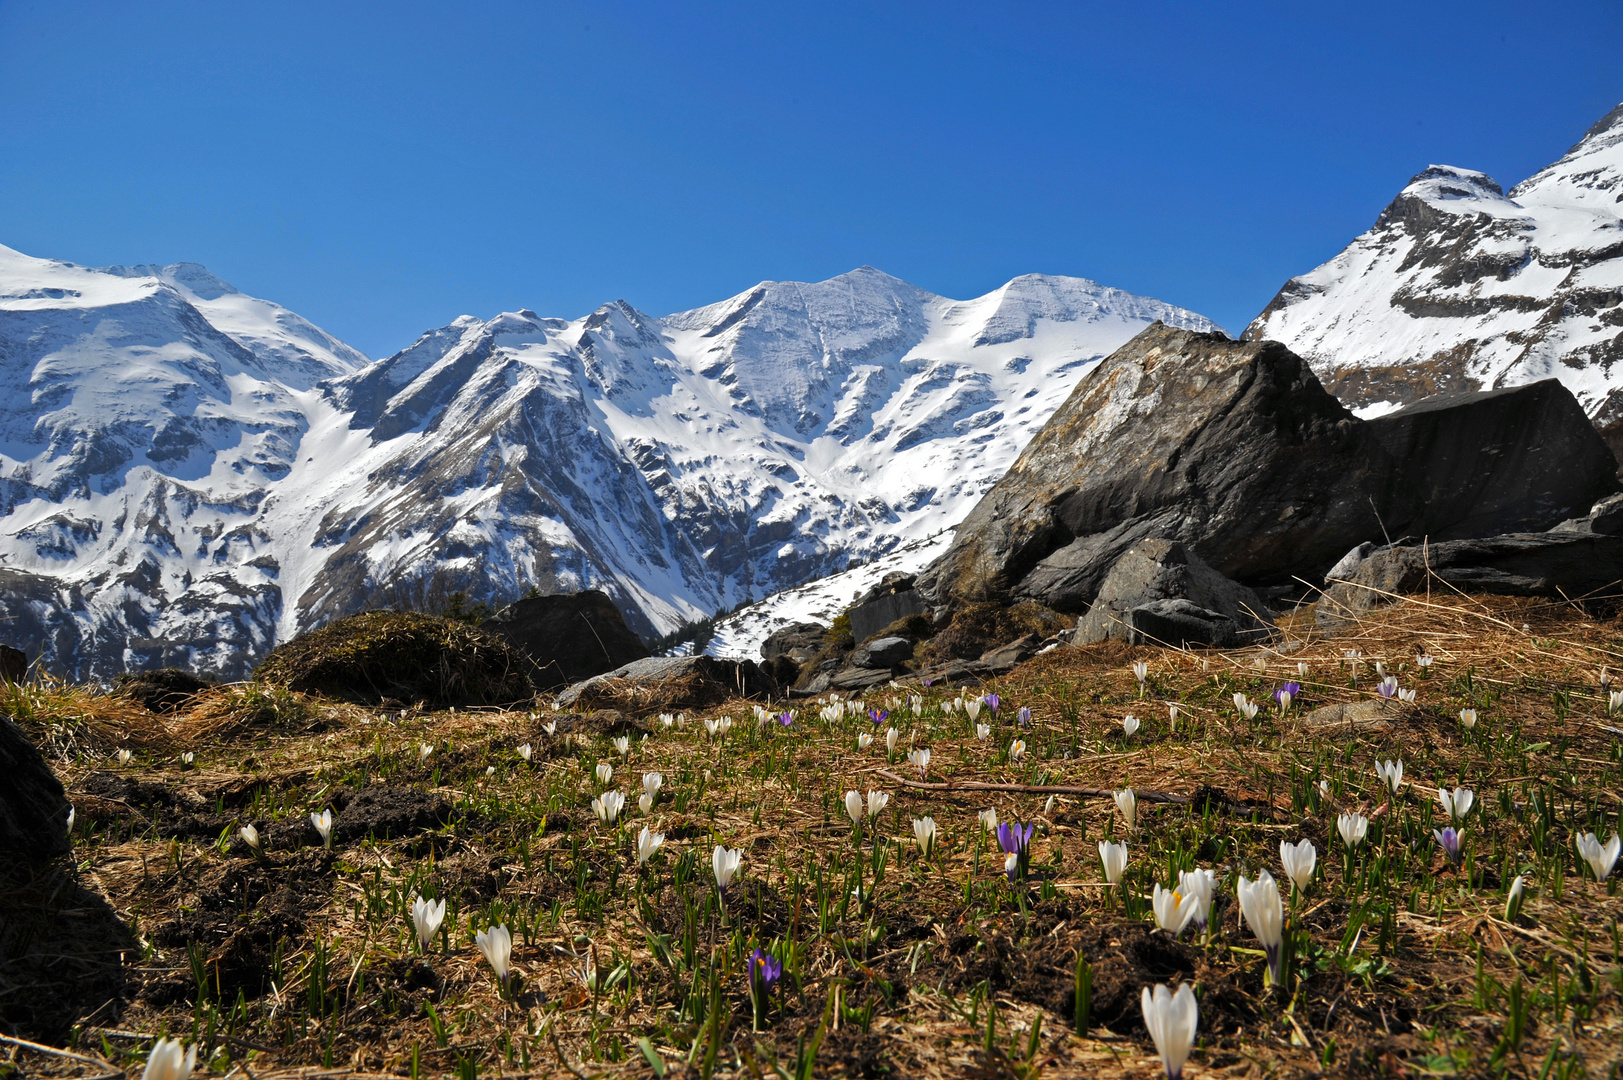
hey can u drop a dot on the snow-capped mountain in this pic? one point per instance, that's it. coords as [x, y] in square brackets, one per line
[190, 475]
[1462, 286]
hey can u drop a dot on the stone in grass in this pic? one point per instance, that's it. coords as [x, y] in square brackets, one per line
[1161, 593]
[885, 652]
[33, 805]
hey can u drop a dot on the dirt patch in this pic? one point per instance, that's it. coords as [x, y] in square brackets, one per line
[386, 811]
[978, 627]
[401, 656]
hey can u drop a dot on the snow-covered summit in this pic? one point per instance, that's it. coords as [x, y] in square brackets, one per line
[223, 475]
[1462, 285]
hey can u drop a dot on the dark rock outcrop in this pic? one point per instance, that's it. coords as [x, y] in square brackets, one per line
[670, 682]
[13, 664]
[799, 642]
[1160, 592]
[1574, 565]
[165, 690]
[568, 637]
[33, 804]
[1232, 447]
[1520, 459]
[885, 652]
[1605, 517]
[892, 599]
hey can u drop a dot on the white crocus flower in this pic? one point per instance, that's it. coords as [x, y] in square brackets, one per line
[496, 942]
[1113, 857]
[1456, 804]
[1172, 909]
[1129, 724]
[890, 741]
[853, 806]
[1171, 1020]
[651, 783]
[323, 824]
[1247, 708]
[1048, 806]
[1299, 859]
[1199, 884]
[924, 831]
[647, 844]
[426, 916]
[249, 835]
[550, 727]
[1017, 749]
[166, 1062]
[607, 807]
[864, 740]
[1513, 899]
[983, 731]
[972, 708]
[623, 745]
[73, 812]
[916, 703]
[1391, 773]
[526, 751]
[988, 819]
[1614, 701]
[1352, 828]
[725, 862]
[1468, 718]
[1263, 912]
[1127, 803]
[713, 727]
[1302, 669]
[1172, 716]
[645, 802]
[424, 749]
[1602, 858]
[667, 719]
[1141, 670]
[188, 759]
[1406, 696]
[123, 757]
[604, 773]
[876, 802]
[920, 760]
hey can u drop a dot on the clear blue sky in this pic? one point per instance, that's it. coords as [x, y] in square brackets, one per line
[383, 168]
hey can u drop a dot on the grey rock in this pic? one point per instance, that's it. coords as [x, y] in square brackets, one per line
[33, 805]
[1350, 562]
[1161, 592]
[955, 673]
[1375, 714]
[1005, 657]
[874, 614]
[1605, 518]
[712, 677]
[885, 652]
[1566, 564]
[800, 642]
[859, 678]
[1520, 459]
[1232, 447]
[567, 637]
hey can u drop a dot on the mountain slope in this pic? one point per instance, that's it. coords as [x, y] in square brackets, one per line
[1460, 285]
[190, 475]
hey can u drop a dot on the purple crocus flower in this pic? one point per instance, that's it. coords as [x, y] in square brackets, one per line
[927, 682]
[1015, 840]
[1294, 689]
[785, 719]
[1025, 716]
[878, 716]
[992, 702]
[764, 969]
[1388, 687]
[1450, 838]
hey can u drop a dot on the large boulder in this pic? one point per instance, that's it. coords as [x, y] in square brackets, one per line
[798, 641]
[1231, 447]
[670, 682]
[1522, 459]
[567, 638]
[165, 690]
[893, 598]
[1161, 593]
[1574, 565]
[33, 805]
[13, 664]
[400, 656]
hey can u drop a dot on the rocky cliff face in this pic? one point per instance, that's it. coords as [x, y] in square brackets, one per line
[1462, 286]
[189, 475]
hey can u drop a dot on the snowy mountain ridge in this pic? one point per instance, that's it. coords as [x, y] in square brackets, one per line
[190, 475]
[1460, 285]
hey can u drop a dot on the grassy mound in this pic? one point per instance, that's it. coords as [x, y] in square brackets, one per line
[400, 656]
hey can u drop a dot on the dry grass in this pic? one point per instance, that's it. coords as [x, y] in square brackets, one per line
[330, 982]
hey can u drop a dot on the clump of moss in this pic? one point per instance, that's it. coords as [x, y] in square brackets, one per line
[400, 656]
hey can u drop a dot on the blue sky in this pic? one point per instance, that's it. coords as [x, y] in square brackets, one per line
[383, 168]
